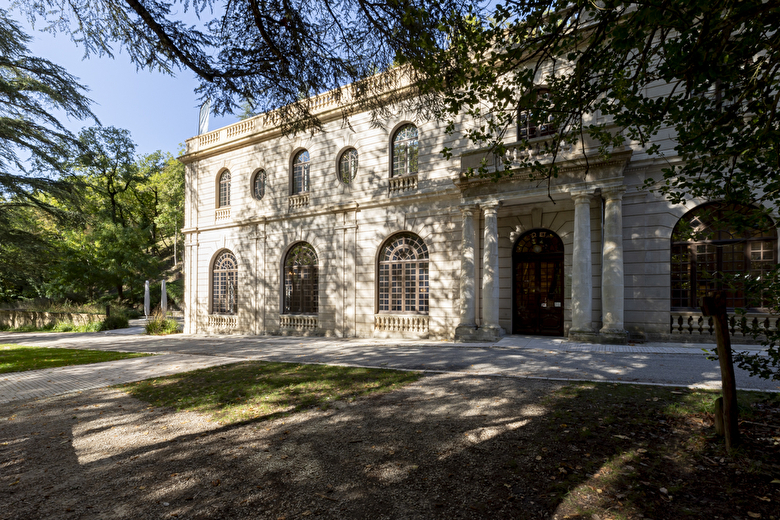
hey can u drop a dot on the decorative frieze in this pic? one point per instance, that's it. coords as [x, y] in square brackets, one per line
[694, 323]
[300, 200]
[400, 184]
[223, 321]
[415, 323]
[299, 322]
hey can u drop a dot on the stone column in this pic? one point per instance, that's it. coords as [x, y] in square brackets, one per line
[468, 300]
[612, 283]
[581, 271]
[490, 330]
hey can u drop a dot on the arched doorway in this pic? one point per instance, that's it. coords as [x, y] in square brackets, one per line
[537, 283]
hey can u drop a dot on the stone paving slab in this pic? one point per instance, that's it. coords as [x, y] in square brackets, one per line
[62, 380]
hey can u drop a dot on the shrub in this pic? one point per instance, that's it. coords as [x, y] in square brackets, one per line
[160, 325]
[115, 321]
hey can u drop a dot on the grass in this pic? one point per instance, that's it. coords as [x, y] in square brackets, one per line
[15, 358]
[262, 390]
[110, 323]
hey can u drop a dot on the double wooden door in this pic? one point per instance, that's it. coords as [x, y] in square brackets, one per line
[537, 280]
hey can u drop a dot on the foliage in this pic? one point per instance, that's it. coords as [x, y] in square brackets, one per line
[271, 54]
[692, 83]
[115, 321]
[16, 358]
[261, 390]
[159, 325]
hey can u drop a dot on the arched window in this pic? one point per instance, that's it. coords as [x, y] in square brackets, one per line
[709, 244]
[406, 148]
[258, 185]
[348, 165]
[301, 290]
[535, 119]
[403, 275]
[224, 189]
[224, 284]
[300, 173]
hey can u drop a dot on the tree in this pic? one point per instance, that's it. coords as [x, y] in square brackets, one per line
[265, 52]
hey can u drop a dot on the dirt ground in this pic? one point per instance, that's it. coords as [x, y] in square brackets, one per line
[444, 447]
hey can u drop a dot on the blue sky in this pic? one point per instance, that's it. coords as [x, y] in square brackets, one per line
[159, 111]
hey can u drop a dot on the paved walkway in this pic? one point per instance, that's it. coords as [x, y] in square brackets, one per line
[678, 364]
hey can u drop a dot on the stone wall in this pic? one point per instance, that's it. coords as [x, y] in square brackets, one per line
[17, 318]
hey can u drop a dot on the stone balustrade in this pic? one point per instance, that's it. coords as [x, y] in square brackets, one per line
[242, 127]
[414, 323]
[299, 322]
[300, 200]
[223, 321]
[694, 323]
[399, 184]
[221, 214]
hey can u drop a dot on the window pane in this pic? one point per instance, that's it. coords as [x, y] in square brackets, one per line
[348, 166]
[301, 287]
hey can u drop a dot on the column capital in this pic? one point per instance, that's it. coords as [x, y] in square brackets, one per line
[582, 196]
[466, 209]
[613, 193]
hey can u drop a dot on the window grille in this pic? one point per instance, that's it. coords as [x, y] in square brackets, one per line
[258, 185]
[224, 280]
[224, 189]
[301, 165]
[538, 120]
[403, 275]
[348, 165]
[406, 148]
[301, 283]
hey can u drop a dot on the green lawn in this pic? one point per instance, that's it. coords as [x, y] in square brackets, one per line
[16, 358]
[263, 390]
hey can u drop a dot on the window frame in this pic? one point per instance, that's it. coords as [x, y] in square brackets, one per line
[687, 278]
[223, 189]
[305, 173]
[397, 144]
[221, 278]
[259, 174]
[403, 280]
[354, 170]
[526, 127]
[306, 291]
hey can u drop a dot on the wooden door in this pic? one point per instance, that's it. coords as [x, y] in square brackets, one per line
[537, 279]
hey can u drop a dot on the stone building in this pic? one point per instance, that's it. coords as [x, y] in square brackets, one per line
[365, 230]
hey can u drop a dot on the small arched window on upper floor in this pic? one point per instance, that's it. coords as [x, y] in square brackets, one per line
[710, 245]
[224, 190]
[300, 172]
[405, 151]
[403, 275]
[535, 117]
[224, 284]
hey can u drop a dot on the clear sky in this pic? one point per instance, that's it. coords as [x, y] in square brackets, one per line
[159, 111]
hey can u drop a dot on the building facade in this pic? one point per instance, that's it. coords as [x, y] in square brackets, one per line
[365, 230]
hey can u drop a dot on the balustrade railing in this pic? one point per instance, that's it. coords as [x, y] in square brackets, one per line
[407, 182]
[240, 128]
[222, 321]
[299, 201]
[298, 322]
[221, 214]
[417, 324]
[696, 324]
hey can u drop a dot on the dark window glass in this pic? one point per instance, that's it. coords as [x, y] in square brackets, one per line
[301, 288]
[536, 121]
[403, 275]
[224, 277]
[406, 148]
[710, 245]
[224, 189]
[300, 181]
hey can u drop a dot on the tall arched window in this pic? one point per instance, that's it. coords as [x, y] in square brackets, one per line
[224, 284]
[709, 244]
[403, 275]
[301, 289]
[300, 173]
[406, 148]
[258, 185]
[348, 165]
[224, 189]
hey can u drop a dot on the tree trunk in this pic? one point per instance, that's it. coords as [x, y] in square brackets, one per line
[715, 306]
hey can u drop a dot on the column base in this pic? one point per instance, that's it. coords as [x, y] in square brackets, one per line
[588, 336]
[466, 333]
[490, 333]
[613, 336]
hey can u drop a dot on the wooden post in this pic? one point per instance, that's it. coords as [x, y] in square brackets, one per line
[715, 306]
